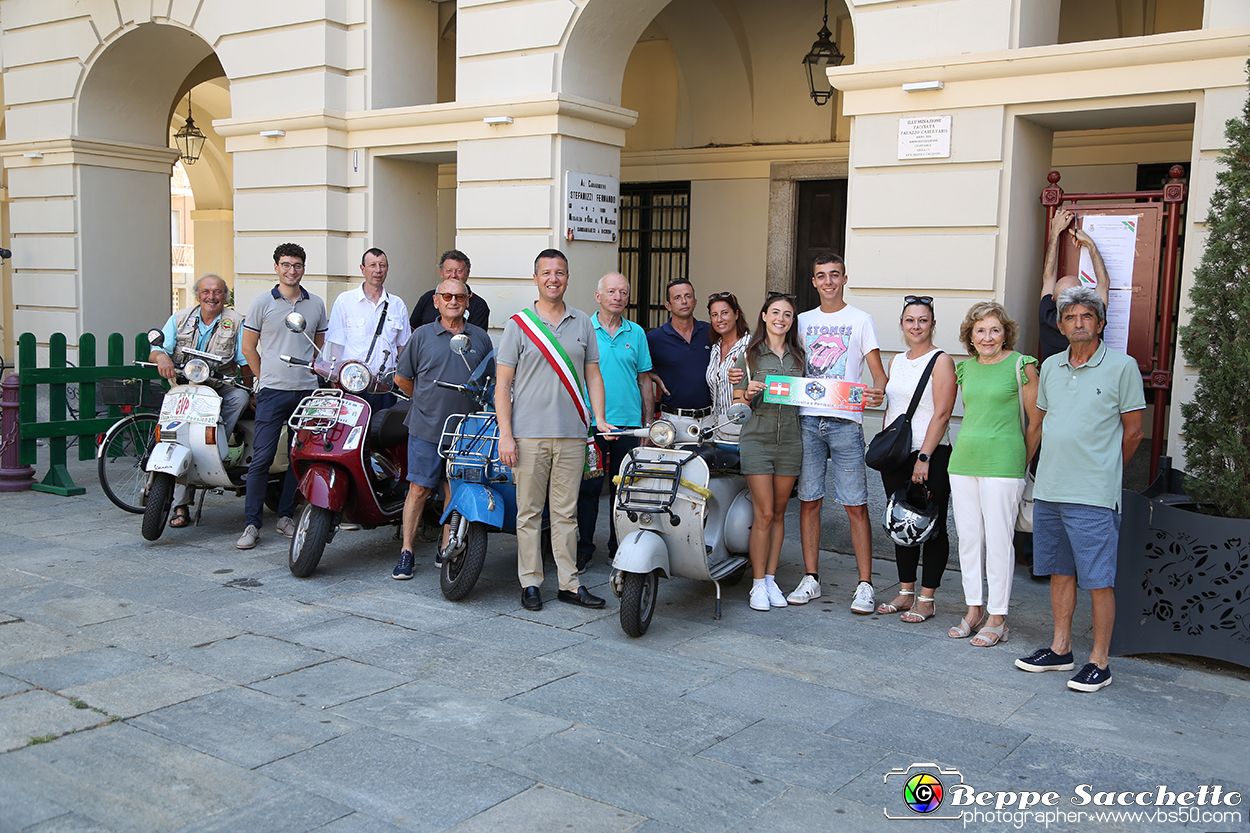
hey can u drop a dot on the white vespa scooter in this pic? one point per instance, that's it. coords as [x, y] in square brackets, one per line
[682, 509]
[191, 444]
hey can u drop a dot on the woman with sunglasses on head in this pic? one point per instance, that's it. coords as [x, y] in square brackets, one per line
[771, 448]
[930, 453]
[729, 341]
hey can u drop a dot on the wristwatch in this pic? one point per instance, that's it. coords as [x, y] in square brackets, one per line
[922, 457]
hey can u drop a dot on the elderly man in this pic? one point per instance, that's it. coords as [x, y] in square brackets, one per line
[452, 265]
[624, 360]
[427, 359]
[280, 387]
[210, 327]
[680, 350]
[370, 323]
[1089, 414]
[1050, 341]
[547, 350]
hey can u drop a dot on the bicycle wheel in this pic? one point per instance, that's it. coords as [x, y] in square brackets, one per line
[122, 459]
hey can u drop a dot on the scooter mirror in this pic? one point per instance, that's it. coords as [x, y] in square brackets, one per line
[739, 413]
[156, 338]
[295, 322]
[461, 344]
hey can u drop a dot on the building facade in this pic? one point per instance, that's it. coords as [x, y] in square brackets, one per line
[417, 126]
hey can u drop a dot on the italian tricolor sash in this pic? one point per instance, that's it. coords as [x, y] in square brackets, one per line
[538, 332]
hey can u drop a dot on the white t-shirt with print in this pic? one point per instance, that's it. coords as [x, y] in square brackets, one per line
[836, 343]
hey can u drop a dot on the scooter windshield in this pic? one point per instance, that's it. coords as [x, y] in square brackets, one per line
[483, 377]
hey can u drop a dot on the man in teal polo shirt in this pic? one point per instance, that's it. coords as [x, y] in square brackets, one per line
[624, 359]
[1089, 414]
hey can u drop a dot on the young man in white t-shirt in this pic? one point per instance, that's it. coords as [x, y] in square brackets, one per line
[838, 339]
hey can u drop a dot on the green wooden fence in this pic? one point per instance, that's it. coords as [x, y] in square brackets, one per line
[59, 427]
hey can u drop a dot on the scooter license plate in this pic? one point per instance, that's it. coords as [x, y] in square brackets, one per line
[185, 405]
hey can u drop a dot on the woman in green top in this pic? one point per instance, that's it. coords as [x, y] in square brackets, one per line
[987, 465]
[770, 446]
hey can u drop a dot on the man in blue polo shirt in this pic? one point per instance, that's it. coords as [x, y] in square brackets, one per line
[680, 350]
[1089, 414]
[624, 360]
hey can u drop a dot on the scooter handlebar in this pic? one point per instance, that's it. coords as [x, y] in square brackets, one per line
[450, 386]
[295, 361]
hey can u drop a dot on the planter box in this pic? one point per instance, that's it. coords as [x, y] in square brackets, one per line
[1182, 583]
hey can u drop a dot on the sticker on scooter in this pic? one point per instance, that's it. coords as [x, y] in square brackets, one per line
[171, 426]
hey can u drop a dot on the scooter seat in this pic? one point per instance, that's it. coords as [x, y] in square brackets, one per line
[387, 429]
[720, 457]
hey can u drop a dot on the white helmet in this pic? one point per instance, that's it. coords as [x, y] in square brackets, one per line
[908, 522]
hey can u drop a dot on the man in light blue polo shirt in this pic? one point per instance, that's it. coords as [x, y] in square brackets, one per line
[624, 359]
[1089, 414]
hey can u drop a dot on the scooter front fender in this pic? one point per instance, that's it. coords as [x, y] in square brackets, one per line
[642, 551]
[477, 503]
[325, 486]
[170, 458]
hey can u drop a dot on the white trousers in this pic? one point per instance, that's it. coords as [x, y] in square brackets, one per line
[985, 519]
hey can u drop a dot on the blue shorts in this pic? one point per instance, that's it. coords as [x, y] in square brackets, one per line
[425, 467]
[842, 441]
[1076, 539]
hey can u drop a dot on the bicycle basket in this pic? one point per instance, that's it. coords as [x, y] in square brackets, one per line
[131, 393]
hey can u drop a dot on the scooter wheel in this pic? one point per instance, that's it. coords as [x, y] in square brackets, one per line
[160, 499]
[312, 531]
[460, 570]
[638, 602]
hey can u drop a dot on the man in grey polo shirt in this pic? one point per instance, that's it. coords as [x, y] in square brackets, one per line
[1089, 414]
[280, 386]
[428, 358]
[543, 424]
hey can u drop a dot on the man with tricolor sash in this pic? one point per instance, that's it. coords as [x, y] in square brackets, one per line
[547, 351]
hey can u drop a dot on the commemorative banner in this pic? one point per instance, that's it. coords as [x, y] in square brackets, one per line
[818, 393]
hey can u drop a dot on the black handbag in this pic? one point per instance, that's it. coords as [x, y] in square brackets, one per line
[892, 446]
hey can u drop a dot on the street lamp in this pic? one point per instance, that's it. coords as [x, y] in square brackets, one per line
[824, 54]
[189, 138]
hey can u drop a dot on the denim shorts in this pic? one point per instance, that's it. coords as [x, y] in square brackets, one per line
[843, 442]
[425, 467]
[1076, 539]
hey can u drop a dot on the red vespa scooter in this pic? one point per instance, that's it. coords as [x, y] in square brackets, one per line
[351, 462]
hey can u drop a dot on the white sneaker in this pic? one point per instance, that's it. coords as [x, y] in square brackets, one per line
[249, 538]
[865, 601]
[775, 596]
[808, 589]
[759, 597]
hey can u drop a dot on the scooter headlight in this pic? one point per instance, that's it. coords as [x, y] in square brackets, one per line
[196, 371]
[662, 433]
[355, 377]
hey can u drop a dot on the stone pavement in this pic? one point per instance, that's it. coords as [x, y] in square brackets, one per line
[185, 685]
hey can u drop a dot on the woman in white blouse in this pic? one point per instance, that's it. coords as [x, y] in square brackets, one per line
[729, 341]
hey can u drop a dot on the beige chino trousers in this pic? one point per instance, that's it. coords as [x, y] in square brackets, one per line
[548, 472]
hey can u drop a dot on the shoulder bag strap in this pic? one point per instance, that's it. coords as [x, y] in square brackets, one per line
[924, 380]
[549, 346]
[1020, 394]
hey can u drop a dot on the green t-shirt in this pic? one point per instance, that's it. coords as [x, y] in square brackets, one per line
[990, 442]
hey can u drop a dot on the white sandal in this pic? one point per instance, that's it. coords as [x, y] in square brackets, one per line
[915, 617]
[884, 609]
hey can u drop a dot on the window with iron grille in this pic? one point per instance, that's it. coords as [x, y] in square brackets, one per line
[654, 244]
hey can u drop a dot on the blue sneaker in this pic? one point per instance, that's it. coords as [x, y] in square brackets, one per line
[403, 570]
[1090, 678]
[1044, 659]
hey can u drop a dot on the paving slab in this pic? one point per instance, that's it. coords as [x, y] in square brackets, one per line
[248, 658]
[269, 616]
[22, 642]
[331, 683]
[517, 636]
[1234, 718]
[145, 690]
[343, 635]
[87, 609]
[556, 807]
[466, 666]
[56, 673]
[12, 685]
[40, 714]
[686, 792]
[789, 754]
[24, 809]
[291, 810]
[756, 694]
[412, 784]
[408, 610]
[476, 727]
[358, 822]
[245, 727]
[158, 632]
[800, 810]
[639, 665]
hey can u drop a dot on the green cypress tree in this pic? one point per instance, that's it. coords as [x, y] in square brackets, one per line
[1217, 340]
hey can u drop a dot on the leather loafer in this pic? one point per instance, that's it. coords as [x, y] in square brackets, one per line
[531, 598]
[581, 598]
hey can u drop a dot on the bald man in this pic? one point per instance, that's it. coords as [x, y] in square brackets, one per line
[1049, 340]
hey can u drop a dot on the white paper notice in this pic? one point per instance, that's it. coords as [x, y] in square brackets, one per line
[1115, 334]
[1115, 235]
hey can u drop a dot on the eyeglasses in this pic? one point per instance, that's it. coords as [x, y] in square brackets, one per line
[722, 296]
[298, 267]
[927, 300]
[453, 296]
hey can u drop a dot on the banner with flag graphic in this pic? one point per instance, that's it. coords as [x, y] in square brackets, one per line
[823, 393]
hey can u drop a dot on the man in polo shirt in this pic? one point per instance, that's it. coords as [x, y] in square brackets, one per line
[371, 323]
[428, 359]
[624, 360]
[453, 265]
[680, 350]
[1049, 340]
[543, 423]
[1089, 419]
[279, 386]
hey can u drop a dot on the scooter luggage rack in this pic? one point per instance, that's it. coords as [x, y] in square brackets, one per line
[631, 496]
[315, 417]
[460, 447]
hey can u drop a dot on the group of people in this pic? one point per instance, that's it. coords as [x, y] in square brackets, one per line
[566, 379]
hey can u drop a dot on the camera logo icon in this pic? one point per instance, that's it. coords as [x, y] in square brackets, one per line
[922, 788]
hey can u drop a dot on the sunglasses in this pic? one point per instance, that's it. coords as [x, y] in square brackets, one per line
[927, 300]
[773, 296]
[453, 296]
[722, 296]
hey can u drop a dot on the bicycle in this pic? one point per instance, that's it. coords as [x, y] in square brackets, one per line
[122, 451]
